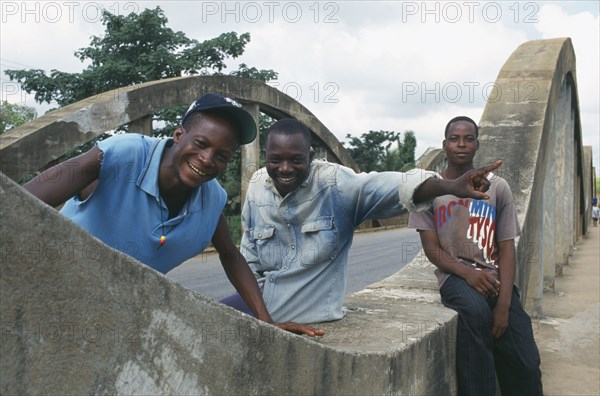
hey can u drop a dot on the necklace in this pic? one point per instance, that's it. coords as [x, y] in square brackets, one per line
[163, 236]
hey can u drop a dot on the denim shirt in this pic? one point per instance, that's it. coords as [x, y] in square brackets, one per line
[298, 245]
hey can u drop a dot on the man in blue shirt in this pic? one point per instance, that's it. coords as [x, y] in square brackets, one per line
[300, 215]
[157, 199]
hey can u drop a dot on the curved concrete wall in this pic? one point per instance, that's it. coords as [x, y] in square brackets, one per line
[80, 318]
[433, 159]
[532, 123]
[30, 147]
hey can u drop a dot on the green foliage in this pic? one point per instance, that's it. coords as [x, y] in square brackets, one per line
[138, 48]
[12, 115]
[598, 186]
[254, 73]
[383, 150]
[235, 227]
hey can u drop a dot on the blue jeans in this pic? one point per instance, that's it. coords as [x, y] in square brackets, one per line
[236, 301]
[513, 358]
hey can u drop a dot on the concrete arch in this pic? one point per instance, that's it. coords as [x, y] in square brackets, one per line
[433, 159]
[533, 125]
[30, 147]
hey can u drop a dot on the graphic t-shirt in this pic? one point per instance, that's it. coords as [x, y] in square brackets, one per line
[469, 230]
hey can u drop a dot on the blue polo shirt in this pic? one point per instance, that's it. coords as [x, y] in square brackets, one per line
[126, 212]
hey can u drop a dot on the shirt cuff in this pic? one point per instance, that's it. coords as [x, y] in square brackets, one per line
[410, 182]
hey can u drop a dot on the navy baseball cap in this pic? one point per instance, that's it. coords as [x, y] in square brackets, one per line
[230, 110]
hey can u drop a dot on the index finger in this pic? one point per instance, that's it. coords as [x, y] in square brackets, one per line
[490, 167]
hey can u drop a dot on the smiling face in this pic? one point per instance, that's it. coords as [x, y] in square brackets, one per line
[461, 144]
[287, 160]
[202, 149]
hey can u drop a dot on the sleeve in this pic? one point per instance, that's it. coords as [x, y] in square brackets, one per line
[248, 246]
[422, 221]
[123, 157]
[379, 195]
[413, 180]
[507, 224]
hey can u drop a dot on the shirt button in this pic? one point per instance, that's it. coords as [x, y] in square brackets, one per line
[271, 280]
[259, 235]
[289, 225]
[293, 247]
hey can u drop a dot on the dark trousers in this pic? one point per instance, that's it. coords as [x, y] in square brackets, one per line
[513, 358]
[236, 301]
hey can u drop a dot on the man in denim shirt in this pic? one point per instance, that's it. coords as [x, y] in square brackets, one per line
[300, 215]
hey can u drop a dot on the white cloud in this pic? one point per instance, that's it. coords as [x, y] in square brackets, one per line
[381, 65]
[584, 30]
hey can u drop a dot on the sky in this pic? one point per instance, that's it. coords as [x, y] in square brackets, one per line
[357, 65]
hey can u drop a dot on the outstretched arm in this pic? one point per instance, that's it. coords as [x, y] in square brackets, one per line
[56, 185]
[482, 281]
[243, 280]
[472, 184]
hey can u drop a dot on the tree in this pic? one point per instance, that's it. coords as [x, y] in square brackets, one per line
[374, 150]
[138, 48]
[12, 115]
[402, 157]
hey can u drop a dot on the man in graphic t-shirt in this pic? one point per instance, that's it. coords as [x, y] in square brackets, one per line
[471, 242]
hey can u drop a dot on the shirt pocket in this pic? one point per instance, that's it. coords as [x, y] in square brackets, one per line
[268, 249]
[319, 241]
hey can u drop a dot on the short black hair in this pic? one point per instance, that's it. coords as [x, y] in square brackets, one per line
[290, 126]
[461, 118]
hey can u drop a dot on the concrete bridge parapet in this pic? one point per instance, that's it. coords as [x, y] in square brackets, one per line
[80, 318]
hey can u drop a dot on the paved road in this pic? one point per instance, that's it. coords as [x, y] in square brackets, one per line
[373, 256]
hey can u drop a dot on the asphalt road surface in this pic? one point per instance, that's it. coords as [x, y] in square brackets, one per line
[373, 256]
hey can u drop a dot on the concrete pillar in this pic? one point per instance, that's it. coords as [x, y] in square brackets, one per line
[320, 152]
[571, 160]
[250, 153]
[142, 125]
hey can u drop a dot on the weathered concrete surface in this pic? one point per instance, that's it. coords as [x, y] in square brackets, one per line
[568, 336]
[409, 303]
[532, 123]
[419, 335]
[28, 148]
[80, 318]
[588, 186]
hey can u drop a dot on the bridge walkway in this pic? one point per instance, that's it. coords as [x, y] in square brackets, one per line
[568, 335]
